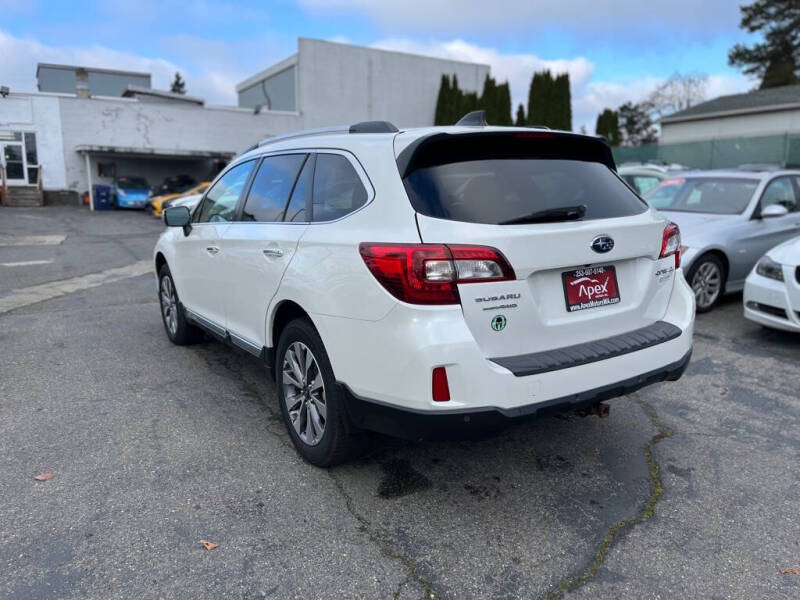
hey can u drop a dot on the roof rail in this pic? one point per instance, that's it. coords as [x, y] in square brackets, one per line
[476, 118]
[363, 127]
[304, 133]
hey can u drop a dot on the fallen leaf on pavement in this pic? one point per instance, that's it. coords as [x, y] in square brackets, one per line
[44, 477]
[791, 571]
[208, 545]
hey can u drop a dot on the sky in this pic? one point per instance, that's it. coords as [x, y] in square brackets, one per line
[614, 50]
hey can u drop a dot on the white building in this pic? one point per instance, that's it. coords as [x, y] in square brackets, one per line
[769, 112]
[328, 83]
[65, 142]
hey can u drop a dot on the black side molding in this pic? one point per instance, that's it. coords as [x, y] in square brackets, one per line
[589, 352]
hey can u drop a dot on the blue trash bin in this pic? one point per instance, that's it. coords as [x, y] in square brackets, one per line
[102, 197]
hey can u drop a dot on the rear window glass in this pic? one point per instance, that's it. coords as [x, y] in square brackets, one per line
[498, 190]
[338, 190]
[713, 195]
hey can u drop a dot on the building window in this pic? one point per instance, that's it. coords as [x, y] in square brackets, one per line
[30, 148]
[107, 170]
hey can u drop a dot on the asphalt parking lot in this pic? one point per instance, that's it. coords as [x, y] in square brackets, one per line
[688, 489]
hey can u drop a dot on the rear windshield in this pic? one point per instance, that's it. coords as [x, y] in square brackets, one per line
[713, 195]
[499, 190]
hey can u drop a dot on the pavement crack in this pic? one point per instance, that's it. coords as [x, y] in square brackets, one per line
[647, 511]
[386, 548]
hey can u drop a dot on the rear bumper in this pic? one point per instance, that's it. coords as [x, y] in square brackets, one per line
[391, 361]
[411, 424]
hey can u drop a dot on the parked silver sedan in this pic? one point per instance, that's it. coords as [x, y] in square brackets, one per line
[728, 220]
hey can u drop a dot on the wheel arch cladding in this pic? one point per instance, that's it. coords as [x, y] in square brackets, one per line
[286, 312]
[160, 261]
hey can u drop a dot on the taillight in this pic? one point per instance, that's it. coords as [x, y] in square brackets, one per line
[439, 386]
[430, 273]
[671, 243]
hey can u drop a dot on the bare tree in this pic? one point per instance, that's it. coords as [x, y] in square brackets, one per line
[679, 92]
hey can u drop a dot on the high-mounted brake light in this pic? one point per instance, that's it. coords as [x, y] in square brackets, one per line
[671, 243]
[430, 273]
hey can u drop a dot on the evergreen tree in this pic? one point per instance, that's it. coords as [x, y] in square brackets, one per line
[549, 101]
[608, 126]
[520, 122]
[503, 100]
[562, 103]
[178, 84]
[776, 59]
[443, 102]
[635, 125]
[488, 100]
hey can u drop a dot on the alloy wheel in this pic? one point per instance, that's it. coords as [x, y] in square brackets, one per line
[169, 305]
[707, 284]
[304, 393]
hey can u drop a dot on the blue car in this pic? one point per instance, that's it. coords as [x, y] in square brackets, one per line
[130, 192]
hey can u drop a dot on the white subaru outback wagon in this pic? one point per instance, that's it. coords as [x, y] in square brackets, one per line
[413, 281]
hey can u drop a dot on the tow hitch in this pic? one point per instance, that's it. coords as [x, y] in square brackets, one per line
[601, 409]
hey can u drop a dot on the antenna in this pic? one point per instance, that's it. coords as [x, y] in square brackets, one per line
[476, 118]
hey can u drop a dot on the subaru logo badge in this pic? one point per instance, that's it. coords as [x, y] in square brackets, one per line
[602, 244]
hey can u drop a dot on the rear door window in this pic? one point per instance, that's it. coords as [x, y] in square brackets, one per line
[272, 184]
[498, 190]
[338, 190]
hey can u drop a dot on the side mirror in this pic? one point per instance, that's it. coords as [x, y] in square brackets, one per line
[179, 216]
[774, 210]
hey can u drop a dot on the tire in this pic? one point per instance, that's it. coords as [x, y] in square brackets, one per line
[178, 329]
[314, 398]
[707, 279]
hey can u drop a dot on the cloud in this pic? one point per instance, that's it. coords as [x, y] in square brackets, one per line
[629, 16]
[517, 69]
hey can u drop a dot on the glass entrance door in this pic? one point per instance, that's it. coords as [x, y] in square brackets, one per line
[14, 162]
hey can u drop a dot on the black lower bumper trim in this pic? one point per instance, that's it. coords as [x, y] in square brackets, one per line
[589, 352]
[418, 425]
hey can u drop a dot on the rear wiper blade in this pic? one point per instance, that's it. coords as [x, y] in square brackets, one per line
[550, 215]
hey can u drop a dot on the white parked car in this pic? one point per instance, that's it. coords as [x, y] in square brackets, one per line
[191, 201]
[772, 290]
[413, 281]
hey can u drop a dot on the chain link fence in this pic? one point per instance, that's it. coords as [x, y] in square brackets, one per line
[720, 153]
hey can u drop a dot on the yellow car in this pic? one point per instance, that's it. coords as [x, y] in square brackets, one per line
[157, 203]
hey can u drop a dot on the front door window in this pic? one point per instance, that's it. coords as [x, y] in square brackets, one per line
[14, 162]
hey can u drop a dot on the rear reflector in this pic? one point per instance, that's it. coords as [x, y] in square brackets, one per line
[671, 243]
[430, 273]
[441, 391]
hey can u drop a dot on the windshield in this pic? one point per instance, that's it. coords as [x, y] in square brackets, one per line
[713, 195]
[506, 190]
[176, 184]
[132, 183]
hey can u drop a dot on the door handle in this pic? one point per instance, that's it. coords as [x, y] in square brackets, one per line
[212, 250]
[272, 252]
